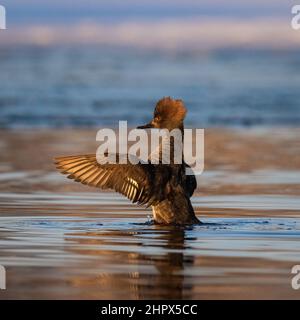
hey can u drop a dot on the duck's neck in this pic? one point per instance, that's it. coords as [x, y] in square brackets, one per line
[170, 149]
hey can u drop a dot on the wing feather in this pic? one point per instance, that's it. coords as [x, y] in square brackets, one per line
[133, 181]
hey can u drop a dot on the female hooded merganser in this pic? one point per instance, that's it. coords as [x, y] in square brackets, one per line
[165, 187]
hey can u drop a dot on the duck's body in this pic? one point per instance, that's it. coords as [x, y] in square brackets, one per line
[164, 187]
[176, 208]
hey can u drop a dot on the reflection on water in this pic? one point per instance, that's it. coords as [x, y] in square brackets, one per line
[100, 246]
[154, 266]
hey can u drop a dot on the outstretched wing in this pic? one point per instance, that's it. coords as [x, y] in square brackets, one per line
[133, 181]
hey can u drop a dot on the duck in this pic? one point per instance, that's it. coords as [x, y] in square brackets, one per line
[166, 188]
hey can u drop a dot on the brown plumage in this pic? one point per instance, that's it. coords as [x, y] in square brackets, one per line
[164, 187]
[136, 182]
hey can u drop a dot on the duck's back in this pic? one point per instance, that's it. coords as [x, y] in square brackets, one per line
[176, 208]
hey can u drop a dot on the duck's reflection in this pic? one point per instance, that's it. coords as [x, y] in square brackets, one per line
[146, 263]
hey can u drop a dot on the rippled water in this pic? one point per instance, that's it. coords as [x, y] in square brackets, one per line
[96, 86]
[98, 245]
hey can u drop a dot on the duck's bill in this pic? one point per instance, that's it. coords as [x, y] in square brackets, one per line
[146, 126]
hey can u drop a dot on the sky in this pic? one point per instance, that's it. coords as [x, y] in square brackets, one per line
[70, 11]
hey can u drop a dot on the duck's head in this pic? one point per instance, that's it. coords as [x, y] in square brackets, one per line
[168, 114]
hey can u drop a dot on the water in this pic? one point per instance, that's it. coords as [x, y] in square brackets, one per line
[62, 240]
[96, 86]
[100, 246]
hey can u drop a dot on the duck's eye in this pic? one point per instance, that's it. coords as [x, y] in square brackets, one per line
[157, 118]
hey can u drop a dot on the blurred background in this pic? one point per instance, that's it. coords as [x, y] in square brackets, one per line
[71, 63]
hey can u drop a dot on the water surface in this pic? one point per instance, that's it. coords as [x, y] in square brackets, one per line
[85, 86]
[60, 239]
[97, 245]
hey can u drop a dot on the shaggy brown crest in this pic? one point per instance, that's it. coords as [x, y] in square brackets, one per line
[170, 108]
